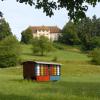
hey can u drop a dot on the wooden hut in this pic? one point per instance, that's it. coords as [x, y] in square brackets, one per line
[41, 71]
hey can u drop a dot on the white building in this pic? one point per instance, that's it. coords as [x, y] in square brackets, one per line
[52, 32]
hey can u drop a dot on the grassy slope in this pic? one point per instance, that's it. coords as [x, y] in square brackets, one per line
[79, 80]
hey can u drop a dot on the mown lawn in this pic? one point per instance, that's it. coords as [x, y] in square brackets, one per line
[80, 80]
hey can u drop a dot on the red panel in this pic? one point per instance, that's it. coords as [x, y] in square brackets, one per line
[46, 70]
[43, 78]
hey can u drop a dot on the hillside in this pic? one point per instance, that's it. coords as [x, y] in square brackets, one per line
[80, 80]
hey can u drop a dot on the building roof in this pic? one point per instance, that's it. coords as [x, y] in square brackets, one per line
[52, 29]
[40, 62]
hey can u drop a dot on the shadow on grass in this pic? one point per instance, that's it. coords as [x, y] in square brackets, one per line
[89, 89]
[13, 97]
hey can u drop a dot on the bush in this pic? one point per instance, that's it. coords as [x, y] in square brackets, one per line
[94, 42]
[9, 52]
[59, 46]
[95, 54]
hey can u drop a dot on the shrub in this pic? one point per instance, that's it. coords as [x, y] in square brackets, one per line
[95, 54]
[9, 52]
[95, 41]
[59, 46]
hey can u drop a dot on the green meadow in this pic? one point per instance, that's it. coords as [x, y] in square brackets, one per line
[80, 80]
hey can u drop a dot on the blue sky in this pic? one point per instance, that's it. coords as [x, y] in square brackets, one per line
[20, 16]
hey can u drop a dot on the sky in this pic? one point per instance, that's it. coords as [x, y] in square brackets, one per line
[20, 16]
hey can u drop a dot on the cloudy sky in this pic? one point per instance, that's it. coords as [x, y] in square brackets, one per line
[20, 16]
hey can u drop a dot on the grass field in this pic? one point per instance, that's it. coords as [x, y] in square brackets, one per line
[80, 80]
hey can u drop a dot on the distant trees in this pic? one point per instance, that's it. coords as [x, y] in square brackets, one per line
[41, 45]
[69, 34]
[86, 33]
[4, 29]
[9, 52]
[26, 36]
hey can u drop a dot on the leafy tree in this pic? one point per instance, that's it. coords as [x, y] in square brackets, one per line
[26, 36]
[76, 8]
[4, 29]
[95, 26]
[95, 42]
[69, 34]
[41, 45]
[84, 30]
[9, 52]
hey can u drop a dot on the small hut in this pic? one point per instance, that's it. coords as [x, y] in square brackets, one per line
[41, 71]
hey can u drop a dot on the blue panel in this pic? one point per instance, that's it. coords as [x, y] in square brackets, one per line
[54, 78]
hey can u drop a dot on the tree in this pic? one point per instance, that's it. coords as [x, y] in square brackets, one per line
[4, 29]
[41, 45]
[95, 26]
[84, 30]
[26, 36]
[76, 8]
[69, 34]
[9, 52]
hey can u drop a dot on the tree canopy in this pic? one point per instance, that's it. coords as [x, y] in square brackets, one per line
[76, 8]
[85, 33]
[41, 45]
[26, 36]
[9, 51]
[4, 29]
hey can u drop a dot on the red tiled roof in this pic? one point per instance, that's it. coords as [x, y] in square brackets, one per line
[52, 29]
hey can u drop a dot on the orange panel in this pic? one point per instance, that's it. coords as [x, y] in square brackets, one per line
[43, 78]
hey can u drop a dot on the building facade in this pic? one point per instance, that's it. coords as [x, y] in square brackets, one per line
[52, 32]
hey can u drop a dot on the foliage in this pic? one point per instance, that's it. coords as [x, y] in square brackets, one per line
[76, 8]
[85, 33]
[69, 34]
[88, 32]
[59, 46]
[27, 36]
[4, 29]
[95, 54]
[95, 42]
[41, 45]
[9, 52]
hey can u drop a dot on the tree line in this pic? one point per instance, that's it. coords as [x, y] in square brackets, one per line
[9, 46]
[85, 33]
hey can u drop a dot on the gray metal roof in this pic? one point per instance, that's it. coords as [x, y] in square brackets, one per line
[40, 62]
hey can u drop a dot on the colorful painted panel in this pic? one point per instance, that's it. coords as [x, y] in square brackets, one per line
[54, 70]
[53, 78]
